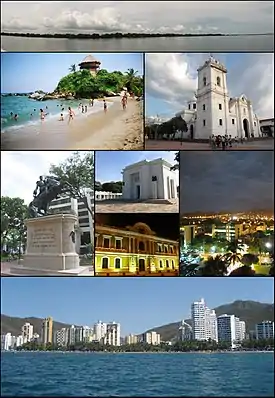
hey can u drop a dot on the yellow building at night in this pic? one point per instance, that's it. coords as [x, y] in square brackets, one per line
[134, 250]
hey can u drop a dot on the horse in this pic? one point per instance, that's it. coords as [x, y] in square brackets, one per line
[41, 203]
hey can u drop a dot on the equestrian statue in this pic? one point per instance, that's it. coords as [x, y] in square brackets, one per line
[47, 189]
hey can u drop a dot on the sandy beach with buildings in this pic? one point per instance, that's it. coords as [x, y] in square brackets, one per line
[116, 129]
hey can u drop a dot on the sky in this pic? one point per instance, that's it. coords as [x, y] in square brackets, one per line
[171, 80]
[164, 225]
[235, 181]
[109, 164]
[25, 72]
[21, 169]
[146, 16]
[138, 304]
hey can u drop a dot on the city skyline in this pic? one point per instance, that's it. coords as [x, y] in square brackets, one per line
[130, 293]
[119, 160]
[226, 182]
[44, 71]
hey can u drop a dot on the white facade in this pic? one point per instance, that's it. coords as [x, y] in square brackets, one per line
[198, 315]
[9, 342]
[62, 337]
[150, 180]
[27, 332]
[240, 330]
[104, 195]
[19, 341]
[227, 329]
[186, 332]
[212, 111]
[131, 339]
[85, 219]
[152, 338]
[265, 330]
[100, 329]
[112, 336]
[211, 325]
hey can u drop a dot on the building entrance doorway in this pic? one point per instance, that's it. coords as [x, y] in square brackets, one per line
[246, 128]
[192, 132]
[141, 265]
[138, 191]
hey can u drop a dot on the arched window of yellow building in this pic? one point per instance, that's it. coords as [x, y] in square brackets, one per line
[160, 264]
[117, 263]
[105, 262]
[173, 265]
[167, 263]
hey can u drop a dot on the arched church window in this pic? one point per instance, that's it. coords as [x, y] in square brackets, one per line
[141, 246]
[117, 262]
[203, 107]
[204, 81]
[218, 81]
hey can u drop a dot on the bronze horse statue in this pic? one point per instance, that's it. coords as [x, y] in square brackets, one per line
[40, 204]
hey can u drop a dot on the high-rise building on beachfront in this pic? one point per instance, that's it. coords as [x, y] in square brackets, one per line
[198, 315]
[265, 330]
[227, 328]
[8, 342]
[61, 337]
[240, 329]
[204, 321]
[27, 332]
[131, 339]
[151, 338]
[112, 336]
[47, 331]
[185, 331]
[100, 329]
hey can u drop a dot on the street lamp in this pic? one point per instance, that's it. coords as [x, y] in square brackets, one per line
[268, 245]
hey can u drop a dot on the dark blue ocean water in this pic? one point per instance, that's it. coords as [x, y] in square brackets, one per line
[88, 374]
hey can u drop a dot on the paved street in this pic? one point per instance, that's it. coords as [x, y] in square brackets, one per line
[121, 207]
[175, 145]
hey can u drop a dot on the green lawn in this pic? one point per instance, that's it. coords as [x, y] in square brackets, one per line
[261, 269]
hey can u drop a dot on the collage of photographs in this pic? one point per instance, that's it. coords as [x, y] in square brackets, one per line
[137, 198]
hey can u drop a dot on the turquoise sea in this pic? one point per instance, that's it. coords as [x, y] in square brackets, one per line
[105, 374]
[25, 107]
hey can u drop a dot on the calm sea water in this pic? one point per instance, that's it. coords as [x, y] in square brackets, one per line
[177, 44]
[24, 107]
[88, 374]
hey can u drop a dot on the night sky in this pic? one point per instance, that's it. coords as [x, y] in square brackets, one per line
[235, 181]
[165, 225]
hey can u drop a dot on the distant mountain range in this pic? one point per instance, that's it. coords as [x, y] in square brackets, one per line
[256, 211]
[251, 312]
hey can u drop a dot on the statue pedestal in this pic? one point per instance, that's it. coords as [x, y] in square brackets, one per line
[51, 247]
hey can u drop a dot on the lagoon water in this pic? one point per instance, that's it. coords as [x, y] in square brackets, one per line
[148, 374]
[25, 107]
[260, 43]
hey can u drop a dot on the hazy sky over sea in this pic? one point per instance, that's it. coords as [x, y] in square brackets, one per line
[142, 16]
[171, 80]
[234, 181]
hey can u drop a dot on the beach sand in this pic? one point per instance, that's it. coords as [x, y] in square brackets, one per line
[116, 129]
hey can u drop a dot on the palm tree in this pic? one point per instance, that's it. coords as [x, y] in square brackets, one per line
[130, 79]
[214, 266]
[243, 271]
[72, 68]
[232, 257]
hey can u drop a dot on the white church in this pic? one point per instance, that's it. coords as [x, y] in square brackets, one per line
[212, 111]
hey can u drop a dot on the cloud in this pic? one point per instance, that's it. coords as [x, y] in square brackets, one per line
[20, 170]
[80, 16]
[173, 79]
[209, 183]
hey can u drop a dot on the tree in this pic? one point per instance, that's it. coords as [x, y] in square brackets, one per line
[113, 186]
[233, 256]
[13, 230]
[78, 172]
[214, 266]
[243, 271]
[72, 68]
[176, 166]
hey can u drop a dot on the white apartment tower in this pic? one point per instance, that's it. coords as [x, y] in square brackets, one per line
[227, 328]
[27, 332]
[204, 322]
[112, 336]
[151, 338]
[100, 330]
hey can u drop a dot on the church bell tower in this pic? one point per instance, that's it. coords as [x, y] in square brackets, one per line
[212, 99]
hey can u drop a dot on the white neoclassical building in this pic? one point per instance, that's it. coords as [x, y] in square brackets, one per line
[149, 180]
[212, 111]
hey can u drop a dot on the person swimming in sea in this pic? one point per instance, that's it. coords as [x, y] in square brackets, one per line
[105, 106]
[61, 118]
[11, 115]
[31, 115]
[15, 117]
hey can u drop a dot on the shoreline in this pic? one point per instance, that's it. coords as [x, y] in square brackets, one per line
[147, 352]
[116, 129]
[118, 35]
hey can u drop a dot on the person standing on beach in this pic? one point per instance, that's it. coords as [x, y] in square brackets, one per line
[42, 114]
[92, 102]
[71, 114]
[61, 118]
[124, 102]
[105, 106]
[86, 109]
[82, 108]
